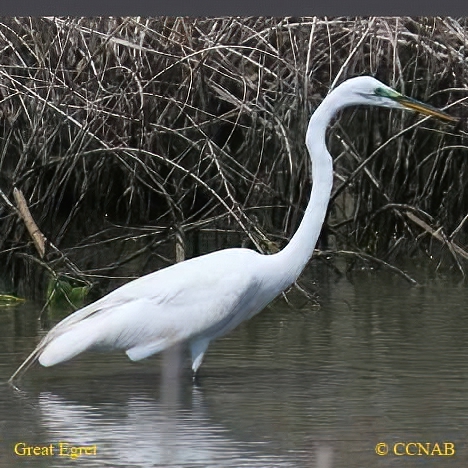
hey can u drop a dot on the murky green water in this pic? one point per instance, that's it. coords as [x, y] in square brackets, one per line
[378, 361]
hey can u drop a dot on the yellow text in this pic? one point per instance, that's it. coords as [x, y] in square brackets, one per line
[411, 449]
[75, 451]
[22, 449]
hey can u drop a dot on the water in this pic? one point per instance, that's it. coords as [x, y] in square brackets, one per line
[373, 361]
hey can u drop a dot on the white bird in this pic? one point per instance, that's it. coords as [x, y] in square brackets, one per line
[201, 299]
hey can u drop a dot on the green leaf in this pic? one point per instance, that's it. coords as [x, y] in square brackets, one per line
[65, 295]
[7, 300]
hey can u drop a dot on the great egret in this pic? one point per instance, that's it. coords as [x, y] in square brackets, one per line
[201, 299]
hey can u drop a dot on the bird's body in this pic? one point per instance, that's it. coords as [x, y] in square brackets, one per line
[201, 299]
[169, 306]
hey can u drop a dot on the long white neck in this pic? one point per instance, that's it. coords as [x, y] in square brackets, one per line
[293, 258]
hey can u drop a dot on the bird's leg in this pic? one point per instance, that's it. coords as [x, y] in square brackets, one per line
[198, 349]
[195, 379]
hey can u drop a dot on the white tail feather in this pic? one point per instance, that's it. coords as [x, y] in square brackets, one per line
[68, 345]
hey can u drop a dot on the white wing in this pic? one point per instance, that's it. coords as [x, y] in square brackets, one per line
[205, 295]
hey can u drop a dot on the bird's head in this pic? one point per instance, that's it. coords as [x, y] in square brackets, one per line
[368, 90]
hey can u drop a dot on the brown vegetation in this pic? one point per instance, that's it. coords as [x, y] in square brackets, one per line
[124, 133]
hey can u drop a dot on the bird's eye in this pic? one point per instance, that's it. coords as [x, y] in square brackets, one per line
[386, 93]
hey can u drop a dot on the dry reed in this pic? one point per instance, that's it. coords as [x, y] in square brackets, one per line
[123, 133]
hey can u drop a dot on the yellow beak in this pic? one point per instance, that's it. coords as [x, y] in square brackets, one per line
[424, 108]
